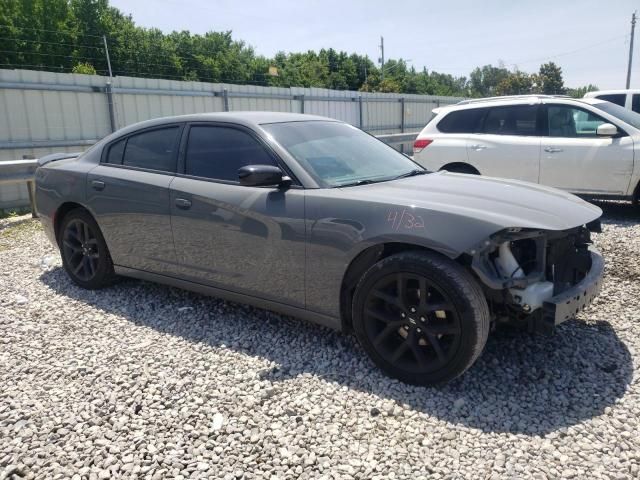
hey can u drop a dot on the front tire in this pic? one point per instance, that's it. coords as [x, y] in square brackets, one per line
[421, 317]
[84, 252]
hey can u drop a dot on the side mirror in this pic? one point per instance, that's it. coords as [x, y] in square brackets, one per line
[261, 176]
[607, 130]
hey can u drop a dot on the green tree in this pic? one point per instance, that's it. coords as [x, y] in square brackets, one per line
[549, 79]
[517, 83]
[84, 67]
[580, 92]
[484, 81]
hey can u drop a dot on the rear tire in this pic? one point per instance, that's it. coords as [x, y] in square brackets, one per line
[421, 317]
[84, 252]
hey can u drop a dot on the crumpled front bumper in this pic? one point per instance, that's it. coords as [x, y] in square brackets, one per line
[569, 303]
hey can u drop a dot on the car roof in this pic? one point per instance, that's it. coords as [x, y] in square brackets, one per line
[611, 92]
[515, 100]
[249, 119]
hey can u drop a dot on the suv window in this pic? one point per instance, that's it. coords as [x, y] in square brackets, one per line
[512, 120]
[114, 155]
[635, 103]
[218, 152]
[617, 98]
[566, 121]
[154, 149]
[462, 121]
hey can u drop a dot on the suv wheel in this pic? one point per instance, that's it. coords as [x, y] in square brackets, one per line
[421, 317]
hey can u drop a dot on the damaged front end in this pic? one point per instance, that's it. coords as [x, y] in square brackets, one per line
[539, 277]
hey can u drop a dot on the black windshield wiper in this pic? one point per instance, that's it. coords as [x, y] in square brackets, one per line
[358, 182]
[412, 173]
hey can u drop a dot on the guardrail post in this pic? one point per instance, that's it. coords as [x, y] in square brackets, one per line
[31, 187]
[225, 99]
[360, 122]
[112, 112]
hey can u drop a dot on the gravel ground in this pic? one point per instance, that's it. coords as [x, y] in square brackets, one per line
[145, 381]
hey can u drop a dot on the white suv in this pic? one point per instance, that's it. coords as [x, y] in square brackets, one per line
[629, 99]
[584, 146]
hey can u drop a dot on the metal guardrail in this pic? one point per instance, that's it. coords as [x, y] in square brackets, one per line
[23, 171]
[397, 138]
[20, 171]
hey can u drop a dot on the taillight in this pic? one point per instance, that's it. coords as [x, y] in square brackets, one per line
[421, 143]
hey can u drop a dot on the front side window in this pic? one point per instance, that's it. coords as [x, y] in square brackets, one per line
[219, 152]
[462, 121]
[153, 149]
[336, 154]
[570, 122]
[512, 120]
[617, 98]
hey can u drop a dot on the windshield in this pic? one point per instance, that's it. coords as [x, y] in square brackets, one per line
[627, 116]
[337, 154]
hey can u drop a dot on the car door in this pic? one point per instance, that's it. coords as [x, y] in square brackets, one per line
[508, 144]
[250, 240]
[575, 159]
[128, 192]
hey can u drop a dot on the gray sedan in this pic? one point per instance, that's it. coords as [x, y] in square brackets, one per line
[314, 218]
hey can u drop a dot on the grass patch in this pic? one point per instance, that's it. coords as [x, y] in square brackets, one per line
[13, 212]
[14, 233]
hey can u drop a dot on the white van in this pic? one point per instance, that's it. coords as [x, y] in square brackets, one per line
[629, 99]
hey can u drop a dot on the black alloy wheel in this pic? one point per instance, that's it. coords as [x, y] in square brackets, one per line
[412, 322]
[421, 317]
[85, 255]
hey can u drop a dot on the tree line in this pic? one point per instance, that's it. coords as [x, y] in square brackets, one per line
[67, 36]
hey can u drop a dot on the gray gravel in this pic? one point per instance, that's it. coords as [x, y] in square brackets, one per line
[145, 381]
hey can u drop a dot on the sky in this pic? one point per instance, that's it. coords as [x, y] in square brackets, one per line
[589, 39]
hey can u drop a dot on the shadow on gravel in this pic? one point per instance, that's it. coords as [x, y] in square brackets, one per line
[618, 211]
[526, 384]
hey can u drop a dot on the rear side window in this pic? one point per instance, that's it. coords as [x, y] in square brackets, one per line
[635, 103]
[513, 120]
[114, 155]
[218, 152]
[154, 149]
[617, 98]
[462, 121]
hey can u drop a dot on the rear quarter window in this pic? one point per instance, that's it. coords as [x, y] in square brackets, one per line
[462, 121]
[617, 98]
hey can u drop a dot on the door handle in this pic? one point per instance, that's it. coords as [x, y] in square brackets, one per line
[552, 149]
[478, 147]
[97, 185]
[183, 203]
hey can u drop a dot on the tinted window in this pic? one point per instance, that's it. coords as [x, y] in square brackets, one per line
[115, 152]
[154, 149]
[515, 120]
[218, 152]
[617, 98]
[462, 121]
[565, 121]
[635, 103]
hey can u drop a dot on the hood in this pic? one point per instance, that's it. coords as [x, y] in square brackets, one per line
[501, 202]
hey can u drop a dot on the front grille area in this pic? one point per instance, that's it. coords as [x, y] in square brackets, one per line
[568, 259]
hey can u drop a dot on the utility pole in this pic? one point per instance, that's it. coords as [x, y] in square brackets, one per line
[633, 27]
[106, 50]
[382, 57]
